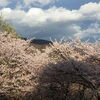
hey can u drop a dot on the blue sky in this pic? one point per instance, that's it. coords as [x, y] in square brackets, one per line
[54, 18]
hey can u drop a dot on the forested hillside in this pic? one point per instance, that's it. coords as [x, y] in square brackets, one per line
[67, 71]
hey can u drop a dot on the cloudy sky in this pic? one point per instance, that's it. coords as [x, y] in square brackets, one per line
[54, 18]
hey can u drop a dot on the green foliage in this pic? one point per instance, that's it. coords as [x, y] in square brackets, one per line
[15, 35]
[6, 27]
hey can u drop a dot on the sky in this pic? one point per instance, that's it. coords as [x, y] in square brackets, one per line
[54, 19]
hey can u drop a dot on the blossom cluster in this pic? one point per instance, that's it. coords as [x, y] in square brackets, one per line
[60, 72]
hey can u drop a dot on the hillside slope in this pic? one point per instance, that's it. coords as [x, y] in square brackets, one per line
[68, 71]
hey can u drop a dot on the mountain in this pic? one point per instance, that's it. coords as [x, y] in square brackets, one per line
[40, 42]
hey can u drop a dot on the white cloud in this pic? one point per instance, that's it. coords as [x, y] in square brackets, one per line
[90, 11]
[20, 4]
[4, 3]
[37, 16]
[27, 3]
[57, 21]
[90, 8]
[13, 15]
[92, 31]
